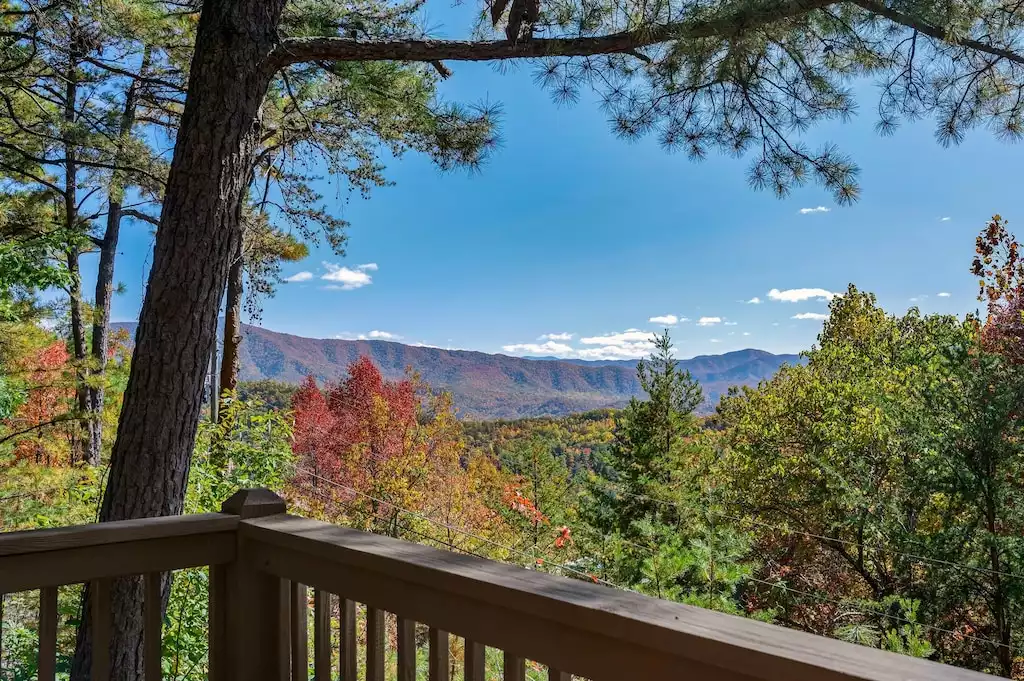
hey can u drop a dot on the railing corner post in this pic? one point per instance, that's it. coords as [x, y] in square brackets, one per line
[254, 503]
[248, 608]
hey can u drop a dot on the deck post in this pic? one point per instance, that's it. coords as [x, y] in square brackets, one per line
[251, 638]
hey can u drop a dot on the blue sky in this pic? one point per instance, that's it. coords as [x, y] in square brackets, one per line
[570, 230]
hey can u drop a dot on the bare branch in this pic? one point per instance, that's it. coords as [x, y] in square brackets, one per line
[139, 215]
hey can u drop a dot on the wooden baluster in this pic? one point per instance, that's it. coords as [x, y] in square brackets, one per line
[476, 657]
[438, 667]
[2, 634]
[102, 618]
[407, 650]
[347, 636]
[374, 644]
[300, 640]
[515, 668]
[216, 633]
[555, 675]
[322, 635]
[153, 626]
[47, 633]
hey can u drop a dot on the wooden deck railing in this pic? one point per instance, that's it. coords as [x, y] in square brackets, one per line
[263, 561]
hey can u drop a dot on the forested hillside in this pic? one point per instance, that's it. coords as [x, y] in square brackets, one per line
[486, 386]
[871, 493]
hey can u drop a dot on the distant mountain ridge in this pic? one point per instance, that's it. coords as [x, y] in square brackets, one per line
[486, 386]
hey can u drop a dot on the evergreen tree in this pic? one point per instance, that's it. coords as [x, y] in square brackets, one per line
[659, 534]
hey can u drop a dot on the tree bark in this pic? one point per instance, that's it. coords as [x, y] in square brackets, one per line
[81, 434]
[105, 278]
[80, 445]
[232, 325]
[199, 227]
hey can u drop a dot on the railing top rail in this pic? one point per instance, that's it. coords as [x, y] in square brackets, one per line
[740, 647]
[99, 534]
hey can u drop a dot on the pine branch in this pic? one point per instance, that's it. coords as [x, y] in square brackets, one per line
[936, 32]
[297, 50]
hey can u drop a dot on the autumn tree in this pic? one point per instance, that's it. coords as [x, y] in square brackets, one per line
[387, 456]
[999, 266]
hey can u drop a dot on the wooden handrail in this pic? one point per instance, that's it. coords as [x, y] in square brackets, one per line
[70, 555]
[263, 562]
[586, 629]
[97, 534]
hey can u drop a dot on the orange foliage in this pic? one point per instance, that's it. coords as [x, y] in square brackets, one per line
[385, 454]
[49, 398]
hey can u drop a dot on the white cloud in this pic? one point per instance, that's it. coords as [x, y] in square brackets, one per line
[372, 335]
[556, 336]
[943, 295]
[299, 276]
[621, 339]
[796, 295]
[775, 323]
[624, 351]
[819, 209]
[715, 340]
[347, 279]
[945, 219]
[731, 323]
[667, 319]
[746, 333]
[754, 301]
[810, 315]
[549, 348]
[709, 321]
[628, 344]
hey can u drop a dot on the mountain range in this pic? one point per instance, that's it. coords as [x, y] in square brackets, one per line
[486, 386]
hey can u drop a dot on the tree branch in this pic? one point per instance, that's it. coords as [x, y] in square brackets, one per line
[296, 50]
[936, 32]
[139, 215]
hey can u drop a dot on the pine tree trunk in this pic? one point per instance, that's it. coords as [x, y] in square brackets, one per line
[232, 324]
[211, 170]
[79, 446]
[105, 279]
[81, 434]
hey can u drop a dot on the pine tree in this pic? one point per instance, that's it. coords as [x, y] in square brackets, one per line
[656, 515]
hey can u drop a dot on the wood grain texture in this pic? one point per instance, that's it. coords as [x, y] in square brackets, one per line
[300, 638]
[348, 652]
[217, 634]
[153, 625]
[514, 668]
[597, 632]
[100, 534]
[407, 649]
[374, 644]
[322, 635]
[475, 658]
[47, 633]
[439, 655]
[102, 618]
[87, 563]
[256, 612]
